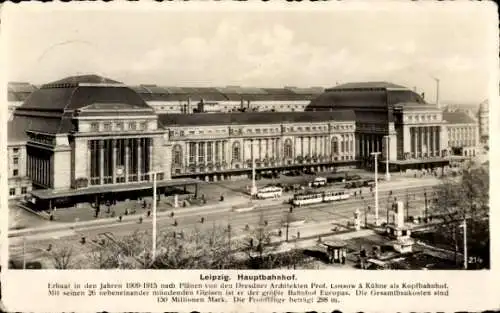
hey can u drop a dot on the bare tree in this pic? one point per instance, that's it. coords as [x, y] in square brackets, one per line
[462, 199]
[62, 257]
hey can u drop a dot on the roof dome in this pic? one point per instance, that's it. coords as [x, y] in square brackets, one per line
[51, 108]
[364, 95]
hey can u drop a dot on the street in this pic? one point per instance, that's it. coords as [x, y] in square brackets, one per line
[318, 219]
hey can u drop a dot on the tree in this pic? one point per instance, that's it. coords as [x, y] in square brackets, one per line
[62, 257]
[465, 198]
[256, 243]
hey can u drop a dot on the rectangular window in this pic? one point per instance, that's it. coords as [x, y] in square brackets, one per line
[209, 152]
[94, 127]
[192, 153]
[12, 191]
[15, 173]
[107, 127]
[24, 190]
[144, 125]
[15, 160]
[15, 150]
[132, 126]
[201, 152]
[217, 152]
[119, 126]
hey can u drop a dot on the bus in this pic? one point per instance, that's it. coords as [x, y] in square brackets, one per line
[269, 192]
[319, 182]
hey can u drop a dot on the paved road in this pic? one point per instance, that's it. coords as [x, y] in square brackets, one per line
[337, 213]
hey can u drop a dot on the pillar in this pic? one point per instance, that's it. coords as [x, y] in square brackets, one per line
[414, 142]
[113, 144]
[101, 162]
[139, 159]
[205, 146]
[362, 141]
[89, 161]
[127, 159]
[428, 133]
[150, 159]
[436, 141]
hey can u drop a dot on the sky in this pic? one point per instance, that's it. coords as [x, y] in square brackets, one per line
[407, 44]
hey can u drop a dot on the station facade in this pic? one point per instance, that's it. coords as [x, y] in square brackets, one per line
[88, 135]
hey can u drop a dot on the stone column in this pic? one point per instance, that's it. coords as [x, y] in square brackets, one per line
[139, 159]
[150, 148]
[101, 162]
[205, 146]
[127, 159]
[89, 161]
[429, 149]
[114, 144]
[436, 141]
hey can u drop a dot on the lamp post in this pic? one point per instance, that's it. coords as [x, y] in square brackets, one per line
[387, 174]
[375, 154]
[153, 249]
[464, 225]
[253, 191]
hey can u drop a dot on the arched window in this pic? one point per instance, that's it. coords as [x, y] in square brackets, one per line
[288, 149]
[177, 155]
[335, 145]
[236, 152]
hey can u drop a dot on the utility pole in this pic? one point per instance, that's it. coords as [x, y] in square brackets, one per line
[253, 191]
[376, 186]
[464, 225]
[287, 225]
[153, 254]
[387, 174]
[407, 204]
[425, 201]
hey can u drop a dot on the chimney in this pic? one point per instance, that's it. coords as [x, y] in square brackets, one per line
[189, 105]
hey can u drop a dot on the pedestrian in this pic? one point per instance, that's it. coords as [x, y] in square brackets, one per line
[120, 218]
[175, 223]
[126, 211]
[280, 233]
[202, 220]
[149, 213]
[291, 209]
[298, 235]
[140, 219]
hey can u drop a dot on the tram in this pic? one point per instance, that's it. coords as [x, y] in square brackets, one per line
[315, 197]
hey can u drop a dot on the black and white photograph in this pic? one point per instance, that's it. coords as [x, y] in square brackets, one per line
[284, 139]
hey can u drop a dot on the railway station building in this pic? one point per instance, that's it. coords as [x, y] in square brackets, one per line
[88, 137]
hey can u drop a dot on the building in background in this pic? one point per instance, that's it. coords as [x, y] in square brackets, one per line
[463, 134]
[17, 93]
[87, 136]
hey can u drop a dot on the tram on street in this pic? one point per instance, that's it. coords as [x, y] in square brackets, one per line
[315, 197]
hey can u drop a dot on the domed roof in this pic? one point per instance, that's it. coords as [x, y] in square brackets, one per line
[51, 108]
[364, 95]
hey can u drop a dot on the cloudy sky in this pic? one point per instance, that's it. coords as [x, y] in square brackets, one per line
[406, 44]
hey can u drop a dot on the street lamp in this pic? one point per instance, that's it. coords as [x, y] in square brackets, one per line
[375, 154]
[387, 174]
[464, 225]
[153, 250]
